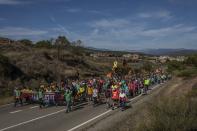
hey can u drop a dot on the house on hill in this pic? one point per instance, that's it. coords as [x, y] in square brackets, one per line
[5, 41]
[163, 59]
[101, 54]
[132, 57]
[180, 58]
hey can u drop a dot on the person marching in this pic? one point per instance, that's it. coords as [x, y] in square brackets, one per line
[108, 94]
[82, 91]
[115, 97]
[95, 96]
[89, 92]
[40, 97]
[67, 97]
[17, 97]
[146, 85]
[122, 99]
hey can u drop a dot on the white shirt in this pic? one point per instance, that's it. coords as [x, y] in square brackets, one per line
[122, 95]
[95, 93]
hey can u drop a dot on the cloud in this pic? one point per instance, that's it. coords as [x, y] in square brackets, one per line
[63, 29]
[98, 12]
[106, 23]
[121, 34]
[156, 14]
[59, 29]
[95, 12]
[79, 10]
[131, 34]
[73, 10]
[167, 31]
[20, 31]
[52, 19]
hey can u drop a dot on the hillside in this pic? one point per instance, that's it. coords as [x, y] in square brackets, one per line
[23, 63]
[27, 65]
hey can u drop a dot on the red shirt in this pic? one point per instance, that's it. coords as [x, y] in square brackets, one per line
[115, 94]
[130, 86]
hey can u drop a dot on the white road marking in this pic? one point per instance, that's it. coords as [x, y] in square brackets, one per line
[141, 94]
[74, 128]
[134, 98]
[34, 107]
[6, 105]
[16, 111]
[29, 121]
[25, 122]
[155, 87]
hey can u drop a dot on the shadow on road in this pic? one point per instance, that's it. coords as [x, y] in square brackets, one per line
[79, 107]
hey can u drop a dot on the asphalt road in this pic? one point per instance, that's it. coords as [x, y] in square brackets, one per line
[31, 118]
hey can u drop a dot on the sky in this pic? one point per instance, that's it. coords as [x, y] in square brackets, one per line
[106, 24]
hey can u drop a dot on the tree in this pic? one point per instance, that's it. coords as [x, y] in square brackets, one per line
[43, 43]
[77, 43]
[60, 43]
[52, 41]
[62, 40]
[26, 42]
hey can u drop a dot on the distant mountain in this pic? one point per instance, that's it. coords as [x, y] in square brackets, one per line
[97, 49]
[169, 51]
[156, 52]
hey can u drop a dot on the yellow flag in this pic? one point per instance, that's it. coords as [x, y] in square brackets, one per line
[115, 64]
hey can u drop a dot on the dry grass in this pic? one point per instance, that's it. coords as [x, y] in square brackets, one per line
[171, 113]
[30, 66]
[6, 100]
[170, 108]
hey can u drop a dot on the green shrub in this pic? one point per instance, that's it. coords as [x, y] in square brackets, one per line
[3, 59]
[8, 70]
[191, 60]
[147, 66]
[26, 42]
[4, 66]
[175, 65]
[43, 44]
[189, 72]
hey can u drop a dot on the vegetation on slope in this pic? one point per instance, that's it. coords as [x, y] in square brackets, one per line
[172, 113]
[175, 112]
[23, 63]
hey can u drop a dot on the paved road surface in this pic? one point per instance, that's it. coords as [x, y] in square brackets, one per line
[31, 118]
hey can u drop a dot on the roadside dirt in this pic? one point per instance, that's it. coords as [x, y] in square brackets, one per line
[132, 117]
